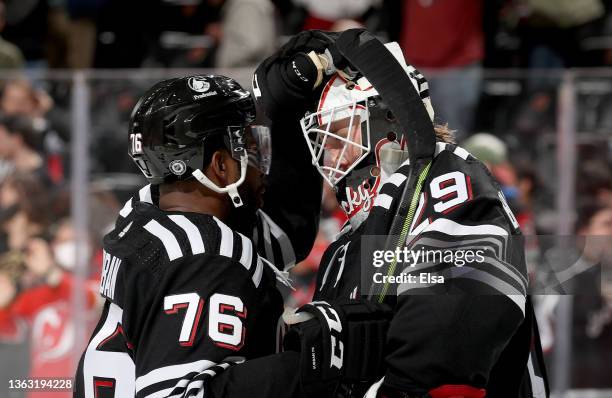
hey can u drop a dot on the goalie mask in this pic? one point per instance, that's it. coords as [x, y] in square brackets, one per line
[179, 123]
[354, 139]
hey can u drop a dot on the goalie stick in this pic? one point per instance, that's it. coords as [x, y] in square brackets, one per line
[371, 58]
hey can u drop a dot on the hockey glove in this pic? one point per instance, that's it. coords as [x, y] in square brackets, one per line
[307, 41]
[323, 45]
[335, 59]
[339, 343]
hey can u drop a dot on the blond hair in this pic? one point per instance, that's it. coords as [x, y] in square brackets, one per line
[444, 133]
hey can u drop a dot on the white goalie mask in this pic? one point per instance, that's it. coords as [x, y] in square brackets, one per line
[353, 138]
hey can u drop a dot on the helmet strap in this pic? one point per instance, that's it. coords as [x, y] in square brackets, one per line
[231, 189]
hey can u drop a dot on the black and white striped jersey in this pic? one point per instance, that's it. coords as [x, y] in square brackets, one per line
[271, 241]
[186, 297]
[475, 328]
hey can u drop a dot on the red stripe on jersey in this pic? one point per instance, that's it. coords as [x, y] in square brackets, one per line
[457, 391]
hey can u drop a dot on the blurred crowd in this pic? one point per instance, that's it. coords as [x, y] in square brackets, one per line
[235, 33]
[509, 122]
[38, 241]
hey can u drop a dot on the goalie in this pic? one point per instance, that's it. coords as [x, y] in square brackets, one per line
[367, 119]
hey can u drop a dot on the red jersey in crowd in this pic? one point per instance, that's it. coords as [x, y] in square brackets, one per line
[48, 313]
[439, 34]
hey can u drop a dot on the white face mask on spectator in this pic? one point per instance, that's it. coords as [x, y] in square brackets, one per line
[65, 254]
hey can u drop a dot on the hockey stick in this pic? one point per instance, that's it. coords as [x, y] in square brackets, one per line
[371, 58]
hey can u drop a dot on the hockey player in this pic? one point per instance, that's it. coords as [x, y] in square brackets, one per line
[472, 342]
[187, 294]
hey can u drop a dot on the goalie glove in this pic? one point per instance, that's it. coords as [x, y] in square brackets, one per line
[320, 48]
[339, 343]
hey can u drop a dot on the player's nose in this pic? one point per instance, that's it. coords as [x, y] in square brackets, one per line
[338, 160]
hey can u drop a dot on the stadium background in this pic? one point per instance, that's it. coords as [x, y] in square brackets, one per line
[526, 84]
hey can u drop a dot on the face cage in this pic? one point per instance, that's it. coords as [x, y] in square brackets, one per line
[316, 130]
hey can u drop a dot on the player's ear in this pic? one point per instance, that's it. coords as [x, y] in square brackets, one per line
[216, 168]
[223, 168]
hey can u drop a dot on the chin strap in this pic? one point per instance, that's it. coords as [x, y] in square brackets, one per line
[231, 189]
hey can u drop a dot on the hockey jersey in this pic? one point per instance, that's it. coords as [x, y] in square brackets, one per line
[186, 297]
[476, 328]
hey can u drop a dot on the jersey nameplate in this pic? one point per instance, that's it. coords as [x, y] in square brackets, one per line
[110, 267]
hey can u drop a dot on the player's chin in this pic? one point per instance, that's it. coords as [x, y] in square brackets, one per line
[254, 198]
[259, 198]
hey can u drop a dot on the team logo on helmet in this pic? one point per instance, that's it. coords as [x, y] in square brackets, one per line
[198, 84]
[177, 167]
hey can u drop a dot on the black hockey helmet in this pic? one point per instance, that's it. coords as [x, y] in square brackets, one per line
[178, 123]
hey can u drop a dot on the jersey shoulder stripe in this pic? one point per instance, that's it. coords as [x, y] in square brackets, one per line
[246, 258]
[177, 235]
[226, 243]
[191, 230]
[443, 147]
[167, 238]
[145, 194]
[149, 240]
[268, 239]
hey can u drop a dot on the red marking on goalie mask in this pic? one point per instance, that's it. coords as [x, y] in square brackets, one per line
[362, 199]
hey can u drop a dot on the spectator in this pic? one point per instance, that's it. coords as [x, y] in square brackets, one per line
[13, 334]
[248, 33]
[20, 145]
[594, 219]
[11, 267]
[517, 184]
[26, 27]
[551, 31]
[325, 14]
[82, 32]
[120, 27]
[595, 181]
[46, 309]
[71, 37]
[528, 184]
[592, 334]
[493, 152]
[447, 36]
[10, 55]
[25, 211]
[182, 34]
[19, 98]
[64, 246]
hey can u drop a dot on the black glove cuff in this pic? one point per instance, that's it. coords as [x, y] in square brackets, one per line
[301, 71]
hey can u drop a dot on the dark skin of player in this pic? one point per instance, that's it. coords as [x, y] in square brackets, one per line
[192, 196]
